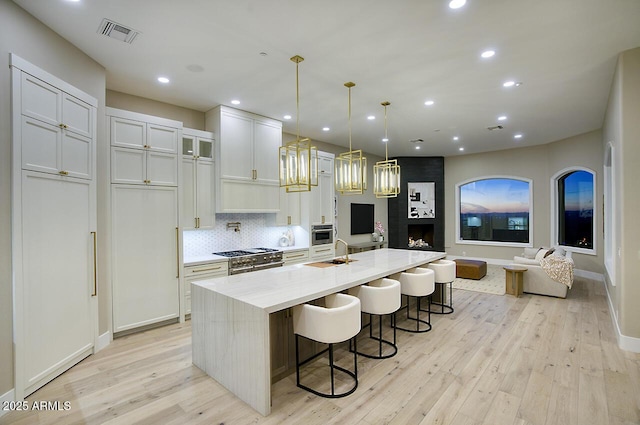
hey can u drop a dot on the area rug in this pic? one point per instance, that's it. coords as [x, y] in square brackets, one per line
[492, 283]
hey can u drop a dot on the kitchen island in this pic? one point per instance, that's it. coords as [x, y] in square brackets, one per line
[230, 315]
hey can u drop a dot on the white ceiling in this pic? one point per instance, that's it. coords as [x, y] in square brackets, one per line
[403, 51]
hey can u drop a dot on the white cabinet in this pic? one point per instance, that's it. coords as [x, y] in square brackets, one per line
[201, 272]
[295, 257]
[56, 130]
[198, 207]
[145, 255]
[321, 252]
[247, 157]
[322, 198]
[290, 212]
[54, 220]
[144, 149]
[145, 242]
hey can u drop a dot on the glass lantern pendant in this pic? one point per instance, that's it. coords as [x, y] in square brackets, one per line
[351, 167]
[386, 174]
[298, 159]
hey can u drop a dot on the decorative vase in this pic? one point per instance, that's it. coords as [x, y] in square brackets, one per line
[374, 237]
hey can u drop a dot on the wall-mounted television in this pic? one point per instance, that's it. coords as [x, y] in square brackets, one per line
[361, 219]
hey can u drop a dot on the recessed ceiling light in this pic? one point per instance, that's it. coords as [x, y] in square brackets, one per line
[456, 138]
[417, 147]
[509, 83]
[488, 53]
[235, 102]
[371, 117]
[287, 117]
[325, 129]
[502, 117]
[457, 4]
[517, 136]
[429, 102]
[384, 139]
[163, 80]
[460, 148]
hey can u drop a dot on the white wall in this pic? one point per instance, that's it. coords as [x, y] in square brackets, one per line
[538, 163]
[622, 129]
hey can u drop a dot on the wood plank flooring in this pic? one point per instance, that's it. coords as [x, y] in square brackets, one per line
[497, 360]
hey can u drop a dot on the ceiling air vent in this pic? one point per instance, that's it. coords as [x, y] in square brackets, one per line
[119, 32]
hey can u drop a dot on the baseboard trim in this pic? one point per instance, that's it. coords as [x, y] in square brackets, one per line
[7, 397]
[103, 341]
[627, 343]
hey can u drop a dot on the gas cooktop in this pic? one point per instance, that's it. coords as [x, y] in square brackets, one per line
[241, 252]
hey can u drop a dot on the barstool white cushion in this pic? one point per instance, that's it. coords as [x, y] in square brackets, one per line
[417, 282]
[445, 270]
[445, 273]
[338, 321]
[381, 296]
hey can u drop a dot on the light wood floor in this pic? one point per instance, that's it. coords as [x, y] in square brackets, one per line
[497, 360]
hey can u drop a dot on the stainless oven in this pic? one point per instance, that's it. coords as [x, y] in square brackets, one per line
[321, 234]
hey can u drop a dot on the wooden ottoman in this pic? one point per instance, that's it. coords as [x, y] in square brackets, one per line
[470, 269]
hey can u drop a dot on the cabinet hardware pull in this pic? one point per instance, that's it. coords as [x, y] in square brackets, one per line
[198, 218]
[206, 270]
[63, 173]
[146, 146]
[322, 219]
[65, 126]
[177, 254]
[195, 224]
[95, 264]
[295, 256]
[288, 219]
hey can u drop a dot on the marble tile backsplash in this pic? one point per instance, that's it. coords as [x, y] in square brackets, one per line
[255, 231]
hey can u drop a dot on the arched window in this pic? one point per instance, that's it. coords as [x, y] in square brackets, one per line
[574, 209]
[495, 211]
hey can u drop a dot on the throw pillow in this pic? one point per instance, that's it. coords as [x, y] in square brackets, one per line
[549, 252]
[541, 254]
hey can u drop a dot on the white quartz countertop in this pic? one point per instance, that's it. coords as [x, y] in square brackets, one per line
[283, 287]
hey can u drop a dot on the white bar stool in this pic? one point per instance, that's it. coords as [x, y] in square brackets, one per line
[338, 321]
[445, 273]
[378, 298]
[417, 283]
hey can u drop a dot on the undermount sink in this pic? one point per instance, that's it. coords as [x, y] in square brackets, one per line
[338, 261]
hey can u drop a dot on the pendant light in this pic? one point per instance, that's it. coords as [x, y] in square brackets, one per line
[386, 174]
[298, 160]
[351, 167]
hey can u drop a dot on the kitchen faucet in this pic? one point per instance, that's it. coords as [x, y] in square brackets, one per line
[346, 250]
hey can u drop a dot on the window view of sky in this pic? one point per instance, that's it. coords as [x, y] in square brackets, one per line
[578, 191]
[494, 196]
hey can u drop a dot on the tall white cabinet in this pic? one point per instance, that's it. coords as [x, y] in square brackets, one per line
[247, 157]
[54, 225]
[145, 241]
[198, 208]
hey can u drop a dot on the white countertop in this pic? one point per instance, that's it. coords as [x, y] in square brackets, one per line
[283, 287]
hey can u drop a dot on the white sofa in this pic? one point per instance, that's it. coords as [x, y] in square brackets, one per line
[536, 280]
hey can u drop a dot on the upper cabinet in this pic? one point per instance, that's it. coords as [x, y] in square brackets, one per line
[57, 130]
[198, 210]
[144, 149]
[247, 158]
[322, 198]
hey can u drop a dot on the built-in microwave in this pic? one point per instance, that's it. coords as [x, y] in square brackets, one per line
[321, 234]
